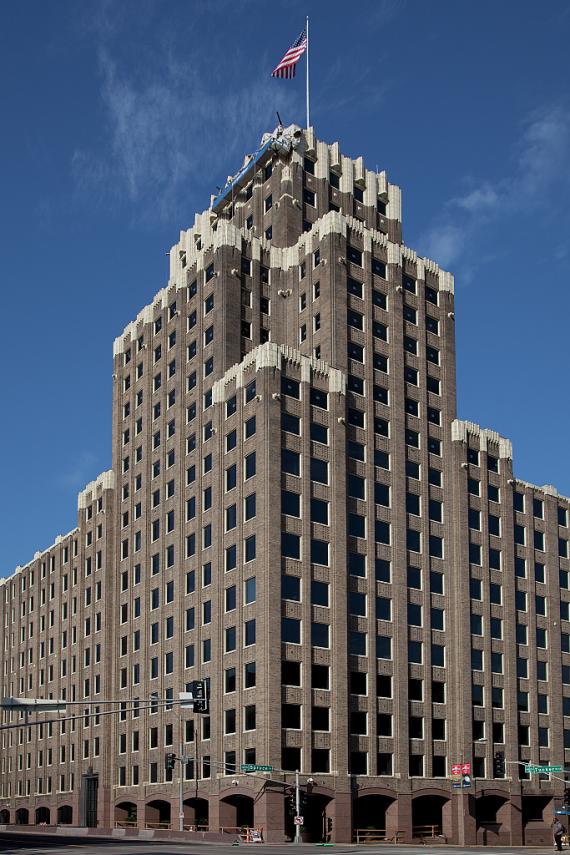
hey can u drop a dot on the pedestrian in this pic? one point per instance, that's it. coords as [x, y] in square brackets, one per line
[557, 831]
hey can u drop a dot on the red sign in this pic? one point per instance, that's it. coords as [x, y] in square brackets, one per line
[466, 768]
[456, 768]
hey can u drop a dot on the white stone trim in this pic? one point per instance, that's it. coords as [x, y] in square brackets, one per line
[461, 429]
[271, 355]
[104, 481]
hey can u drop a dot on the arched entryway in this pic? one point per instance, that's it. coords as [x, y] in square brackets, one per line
[22, 816]
[236, 811]
[196, 813]
[42, 816]
[375, 811]
[317, 820]
[431, 816]
[4, 817]
[157, 814]
[492, 813]
[64, 815]
[125, 814]
[537, 814]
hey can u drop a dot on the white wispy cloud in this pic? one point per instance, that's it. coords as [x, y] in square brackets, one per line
[171, 125]
[79, 471]
[481, 199]
[540, 163]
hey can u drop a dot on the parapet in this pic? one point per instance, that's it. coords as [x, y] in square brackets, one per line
[271, 355]
[104, 481]
[460, 431]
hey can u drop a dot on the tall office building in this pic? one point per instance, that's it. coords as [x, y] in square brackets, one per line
[295, 515]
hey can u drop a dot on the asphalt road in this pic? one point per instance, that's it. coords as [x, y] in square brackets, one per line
[25, 844]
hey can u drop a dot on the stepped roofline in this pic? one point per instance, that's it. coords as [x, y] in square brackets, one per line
[208, 234]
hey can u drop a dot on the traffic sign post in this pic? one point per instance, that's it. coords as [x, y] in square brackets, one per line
[298, 820]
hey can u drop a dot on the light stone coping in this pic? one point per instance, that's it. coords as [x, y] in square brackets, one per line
[104, 481]
[272, 355]
[333, 222]
[37, 555]
[460, 431]
[547, 489]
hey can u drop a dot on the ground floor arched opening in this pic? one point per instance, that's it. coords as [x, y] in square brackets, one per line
[157, 814]
[125, 814]
[43, 816]
[431, 816]
[4, 817]
[236, 811]
[317, 823]
[374, 812]
[537, 814]
[64, 815]
[196, 813]
[492, 815]
[22, 816]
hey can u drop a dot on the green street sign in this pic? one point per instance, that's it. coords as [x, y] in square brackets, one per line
[543, 770]
[252, 767]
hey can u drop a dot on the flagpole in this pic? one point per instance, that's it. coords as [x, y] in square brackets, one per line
[308, 111]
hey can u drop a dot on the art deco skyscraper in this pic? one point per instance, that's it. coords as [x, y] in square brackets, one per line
[295, 515]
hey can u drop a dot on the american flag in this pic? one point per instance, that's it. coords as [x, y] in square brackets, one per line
[287, 66]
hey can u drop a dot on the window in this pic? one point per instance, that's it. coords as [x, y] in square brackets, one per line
[249, 548]
[290, 588]
[291, 630]
[354, 255]
[290, 503]
[231, 477]
[319, 433]
[320, 551]
[250, 506]
[355, 352]
[209, 301]
[290, 423]
[290, 462]
[250, 590]
[249, 466]
[290, 545]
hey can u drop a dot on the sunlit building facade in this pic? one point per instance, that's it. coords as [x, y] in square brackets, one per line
[295, 514]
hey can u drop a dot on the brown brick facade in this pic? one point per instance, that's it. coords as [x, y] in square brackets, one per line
[295, 514]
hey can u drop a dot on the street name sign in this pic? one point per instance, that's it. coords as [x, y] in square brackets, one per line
[543, 770]
[252, 767]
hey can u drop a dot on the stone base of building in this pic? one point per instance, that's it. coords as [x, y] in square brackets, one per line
[487, 817]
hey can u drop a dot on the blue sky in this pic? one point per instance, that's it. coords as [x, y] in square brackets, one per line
[120, 118]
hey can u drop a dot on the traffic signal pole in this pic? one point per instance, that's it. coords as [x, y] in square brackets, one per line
[181, 777]
[297, 807]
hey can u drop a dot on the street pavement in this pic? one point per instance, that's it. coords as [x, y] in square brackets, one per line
[25, 844]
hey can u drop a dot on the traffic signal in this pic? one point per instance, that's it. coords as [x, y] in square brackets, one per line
[302, 801]
[329, 824]
[200, 696]
[170, 761]
[499, 765]
[567, 795]
[291, 805]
